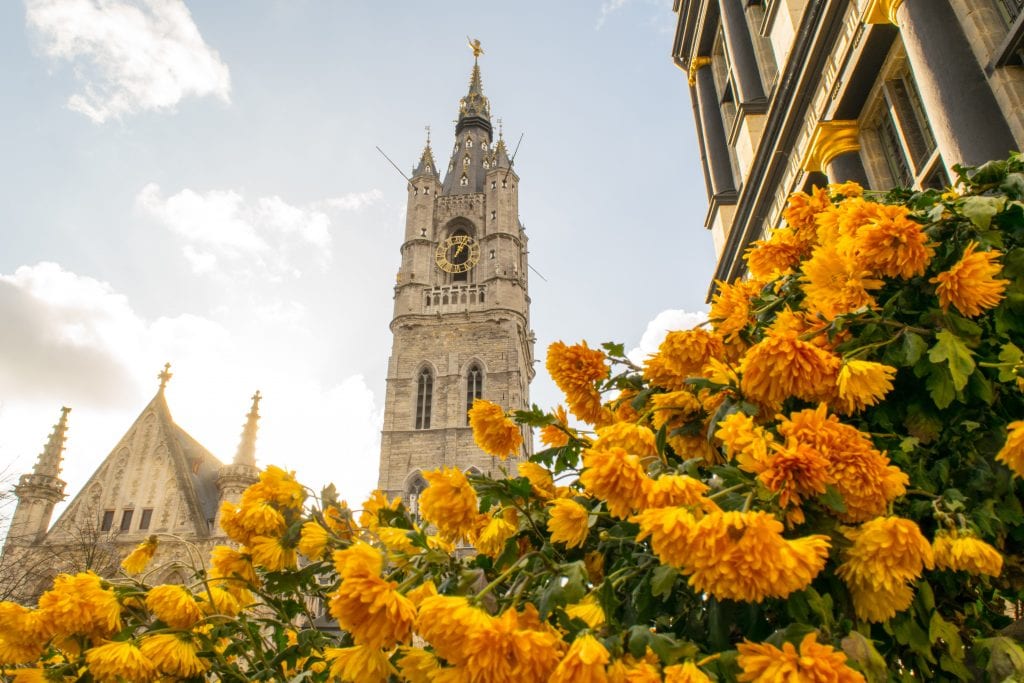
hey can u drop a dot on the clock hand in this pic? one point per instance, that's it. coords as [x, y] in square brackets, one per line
[458, 251]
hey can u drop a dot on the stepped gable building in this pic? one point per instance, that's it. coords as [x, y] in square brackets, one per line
[156, 480]
[792, 93]
[461, 321]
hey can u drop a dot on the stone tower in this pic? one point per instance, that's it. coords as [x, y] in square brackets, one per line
[38, 492]
[461, 321]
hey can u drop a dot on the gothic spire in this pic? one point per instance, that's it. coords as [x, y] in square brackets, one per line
[426, 167]
[474, 108]
[49, 460]
[246, 454]
[501, 159]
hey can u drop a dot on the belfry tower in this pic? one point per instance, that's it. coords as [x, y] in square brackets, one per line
[461, 323]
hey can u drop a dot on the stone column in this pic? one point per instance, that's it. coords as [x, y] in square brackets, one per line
[746, 75]
[715, 144]
[835, 151]
[963, 113]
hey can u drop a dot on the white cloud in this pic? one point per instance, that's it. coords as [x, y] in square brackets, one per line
[355, 201]
[223, 233]
[72, 340]
[607, 8]
[129, 55]
[663, 323]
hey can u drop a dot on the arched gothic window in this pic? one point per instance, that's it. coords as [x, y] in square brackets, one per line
[424, 398]
[413, 488]
[474, 386]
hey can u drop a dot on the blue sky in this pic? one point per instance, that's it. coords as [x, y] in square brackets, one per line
[197, 182]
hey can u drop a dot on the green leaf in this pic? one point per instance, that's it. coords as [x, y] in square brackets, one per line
[940, 629]
[662, 580]
[950, 348]
[832, 499]
[862, 652]
[1011, 354]
[980, 210]
[940, 386]
[1005, 658]
[614, 349]
[913, 347]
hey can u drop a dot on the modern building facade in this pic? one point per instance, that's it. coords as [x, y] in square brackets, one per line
[461, 324]
[788, 94]
[156, 480]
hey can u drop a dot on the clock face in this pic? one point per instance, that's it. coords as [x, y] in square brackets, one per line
[457, 254]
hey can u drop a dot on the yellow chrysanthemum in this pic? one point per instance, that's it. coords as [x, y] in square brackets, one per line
[730, 307]
[678, 490]
[834, 284]
[29, 676]
[216, 600]
[174, 605]
[492, 536]
[802, 208]
[814, 663]
[276, 486]
[861, 474]
[359, 664]
[862, 383]
[416, 665]
[847, 189]
[449, 503]
[173, 654]
[444, 621]
[576, 365]
[887, 554]
[1012, 452]
[671, 532]
[745, 440]
[589, 610]
[779, 254]
[556, 436]
[966, 553]
[359, 559]
[810, 371]
[226, 562]
[540, 479]
[313, 540]
[80, 604]
[569, 522]
[139, 558]
[970, 284]
[673, 410]
[397, 540]
[339, 519]
[616, 477]
[630, 669]
[583, 663]
[369, 518]
[272, 553]
[630, 437]
[685, 673]
[493, 431]
[370, 608]
[120, 661]
[743, 556]
[258, 518]
[793, 470]
[683, 354]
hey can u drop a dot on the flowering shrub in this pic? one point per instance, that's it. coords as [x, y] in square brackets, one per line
[820, 485]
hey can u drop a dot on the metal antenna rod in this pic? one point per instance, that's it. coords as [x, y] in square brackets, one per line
[395, 165]
[513, 159]
[536, 271]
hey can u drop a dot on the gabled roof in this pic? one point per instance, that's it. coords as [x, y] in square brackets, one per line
[195, 469]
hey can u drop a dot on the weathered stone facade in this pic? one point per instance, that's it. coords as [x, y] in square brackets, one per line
[156, 480]
[462, 326]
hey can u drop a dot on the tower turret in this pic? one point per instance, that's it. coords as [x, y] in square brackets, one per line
[39, 491]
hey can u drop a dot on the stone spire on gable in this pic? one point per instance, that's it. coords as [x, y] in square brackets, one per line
[246, 454]
[49, 461]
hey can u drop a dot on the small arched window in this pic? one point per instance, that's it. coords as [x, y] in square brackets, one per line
[413, 488]
[424, 398]
[474, 386]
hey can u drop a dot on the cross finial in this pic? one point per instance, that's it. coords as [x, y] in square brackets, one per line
[165, 376]
[256, 400]
[474, 45]
[501, 128]
[427, 128]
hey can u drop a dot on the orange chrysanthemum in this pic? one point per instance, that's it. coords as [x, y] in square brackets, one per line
[493, 431]
[970, 285]
[730, 307]
[616, 477]
[369, 518]
[556, 436]
[678, 489]
[80, 604]
[814, 663]
[583, 663]
[683, 354]
[801, 210]
[370, 608]
[359, 663]
[490, 539]
[541, 480]
[574, 366]
[449, 503]
[890, 243]
[276, 486]
[810, 371]
[1012, 452]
